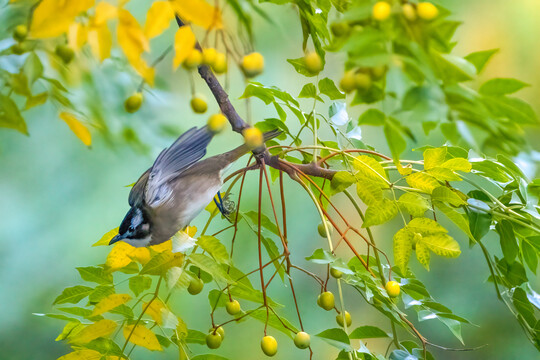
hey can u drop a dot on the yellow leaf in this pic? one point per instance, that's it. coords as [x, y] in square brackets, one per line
[191, 230]
[106, 239]
[434, 157]
[122, 254]
[100, 40]
[141, 255]
[104, 12]
[141, 336]
[184, 41]
[154, 310]
[158, 18]
[110, 302]
[53, 17]
[422, 181]
[77, 127]
[164, 246]
[198, 12]
[102, 328]
[82, 355]
[77, 35]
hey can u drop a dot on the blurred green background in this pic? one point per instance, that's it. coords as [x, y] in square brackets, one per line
[59, 197]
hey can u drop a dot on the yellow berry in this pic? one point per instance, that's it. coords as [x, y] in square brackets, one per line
[213, 340]
[313, 62]
[409, 12]
[392, 288]
[20, 32]
[233, 307]
[327, 301]
[336, 274]
[269, 345]
[134, 102]
[347, 316]
[216, 123]
[362, 81]
[195, 286]
[381, 10]
[193, 60]
[322, 230]
[347, 82]
[302, 340]
[209, 56]
[253, 137]
[65, 53]
[198, 104]
[253, 64]
[427, 11]
[220, 63]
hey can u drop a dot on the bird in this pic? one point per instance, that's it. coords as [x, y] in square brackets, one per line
[178, 186]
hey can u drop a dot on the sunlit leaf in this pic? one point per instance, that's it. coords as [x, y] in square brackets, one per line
[82, 355]
[184, 42]
[422, 181]
[107, 237]
[403, 241]
[52, 17]
[198, 12]
[158, 18]
[78, 128]
[434, 157]
[101, 328]
[100, 40]
[142, 336]
[380, 213]
[139, 284]
[442, 245]
[413, 203]
[110, 302]
[422, 254]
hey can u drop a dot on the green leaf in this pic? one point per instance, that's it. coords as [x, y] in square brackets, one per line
[369, 191]
[195, 337]
[19, 84]
[328, 88]
[300, 67]
[10, 117]
[215, 248]
[160, 263]
[508, 241]
[321, 256]
[36, 100]
[529, 255]
[95, 274]
[32, 67]
[341, 181]
[210, 266]
[500, 86]
[413, 203]
[458, 219]
[446, 195]
[422, 181]
[395, 140]
[208, 357]
[457, 164]
[337, 338]
[479, 222]
[422, 254]
[372, 117]
[139, 284]
[371, 169]
[452, 69]
[274, 321]
[442, 245]
[403, 242]
[258, 91]
[523, 306]
[380, 213]
[73, 294]
[99, 293]
[309, 91]
[367, 332]
[434, 157]
[480, 58]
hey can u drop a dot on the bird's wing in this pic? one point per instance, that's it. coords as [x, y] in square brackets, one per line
[136, 195]
[189, 148]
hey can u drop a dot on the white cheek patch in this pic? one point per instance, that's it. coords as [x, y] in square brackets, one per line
[139, 242]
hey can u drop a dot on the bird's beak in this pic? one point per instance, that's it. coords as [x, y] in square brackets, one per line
[116, 239]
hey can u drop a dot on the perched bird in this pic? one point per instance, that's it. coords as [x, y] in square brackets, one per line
[169, 195]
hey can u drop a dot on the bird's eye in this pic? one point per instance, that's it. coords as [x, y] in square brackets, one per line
[131, 229]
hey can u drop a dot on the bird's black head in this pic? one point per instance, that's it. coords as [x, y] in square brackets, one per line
[135, 229]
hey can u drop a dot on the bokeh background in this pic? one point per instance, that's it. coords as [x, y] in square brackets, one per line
[58, 197]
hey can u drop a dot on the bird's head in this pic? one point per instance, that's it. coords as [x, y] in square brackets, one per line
[135, 229]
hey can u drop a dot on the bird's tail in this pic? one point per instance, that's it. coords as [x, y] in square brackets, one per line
[243, 149]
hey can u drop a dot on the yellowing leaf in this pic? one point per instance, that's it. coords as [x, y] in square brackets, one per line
[191, 230]
[77, 127]
[82, 355]
[158, 18]
[444, 194]
[104, 12]
[369, 191]
[100, 40]
[77, 35]
[141, 255]
[422, 254]
[164, 246]
[434, 157]
[457, 164]
[198, 12]
[403, 241]
[442, 245]
[122, 254]
[141, 336]
[370, 168]
[53, 17]
[443, 174]
[380, 213]
[425, 226]
[422, 181]
[413, 203]
[184, 41]
[102, 328]
[154, 310]
[110, 302]
[107, 237]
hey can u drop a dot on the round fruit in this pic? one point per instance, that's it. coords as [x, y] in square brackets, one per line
[216, 123]
[198, 104]
[340, 29]
[209, 56]
[347, 82]
[322, 231]
[220, 63]
[220, 331]
[253, 137]
[392, 288]
[427, 11]
[134, 102]
[17, 49]
[253, 64]
[409, 12]
[233, 307]
[301, 340]
[20, 32]
[327, 301]
[213, 341]
[193, 60]
[313, 62]
[348, 319]
[362, 81]
[65, 53]
[381, 10]
[378, 72]
[195, 286]
[269, 345]
[336, 274]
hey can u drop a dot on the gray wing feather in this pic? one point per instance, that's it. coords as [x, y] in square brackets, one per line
[136, 195]
[189, 148]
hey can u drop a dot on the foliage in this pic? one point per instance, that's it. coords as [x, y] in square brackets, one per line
[407, 81]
